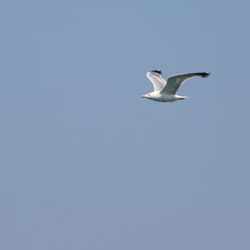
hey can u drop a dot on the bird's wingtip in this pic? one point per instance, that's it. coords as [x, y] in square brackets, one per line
[156, 71]
[205, 74]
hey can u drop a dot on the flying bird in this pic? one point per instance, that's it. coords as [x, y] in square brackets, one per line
[165, 90]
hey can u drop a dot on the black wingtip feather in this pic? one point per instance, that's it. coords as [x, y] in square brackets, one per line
[156, 71]
[205, 74]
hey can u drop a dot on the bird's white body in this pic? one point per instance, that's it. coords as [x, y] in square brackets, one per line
[162, 97]
[165, 91]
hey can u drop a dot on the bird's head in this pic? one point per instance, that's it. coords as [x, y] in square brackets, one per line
[146, 96]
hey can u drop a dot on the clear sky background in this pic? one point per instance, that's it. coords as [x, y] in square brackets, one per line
[86, 164]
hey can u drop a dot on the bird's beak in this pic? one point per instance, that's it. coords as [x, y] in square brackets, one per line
[143, 96]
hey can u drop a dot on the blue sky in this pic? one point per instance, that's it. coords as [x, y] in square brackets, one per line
[86, 164]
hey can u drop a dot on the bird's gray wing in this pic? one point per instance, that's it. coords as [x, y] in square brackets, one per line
[157, 80]
[174, 82]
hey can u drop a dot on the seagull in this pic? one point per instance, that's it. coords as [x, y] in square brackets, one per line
[165, 91]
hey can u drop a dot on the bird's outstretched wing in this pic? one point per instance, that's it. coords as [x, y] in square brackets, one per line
[174, 82]
[157, 80]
